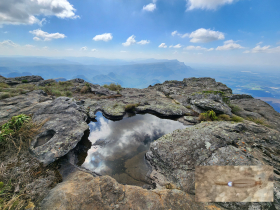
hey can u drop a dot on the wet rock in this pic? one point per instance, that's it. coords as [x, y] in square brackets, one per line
[174, 156]
[105, 193]
[63, 130]
[23, 104]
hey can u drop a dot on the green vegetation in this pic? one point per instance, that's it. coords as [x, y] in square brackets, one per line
[130, 107]
[210, 115]
[24, 81]
[234, 108]
[85, 89]
[113, 87]
[189, 107]
[4, 85]
[17, 132]
[260, 121]
[5, 95]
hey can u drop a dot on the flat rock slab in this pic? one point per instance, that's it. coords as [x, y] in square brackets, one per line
[63, 130]
[23, 104]
[105, 193]
[174, 156]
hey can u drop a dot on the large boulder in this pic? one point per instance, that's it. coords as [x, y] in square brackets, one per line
[83, 191]
[28, 79]
[23, 104]
[63, 130]
[174, 156]
[208, 104]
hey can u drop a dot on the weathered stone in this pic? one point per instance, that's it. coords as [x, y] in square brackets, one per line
[240, 96]
[257, 108]
[105, 193]
[29, 79]
[191, 119]
[46, 82]
[174, 156]
[23, 104]
[207, 104]
[97, 89]
[63, 130]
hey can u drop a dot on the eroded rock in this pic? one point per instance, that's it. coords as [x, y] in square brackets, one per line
[63, 130]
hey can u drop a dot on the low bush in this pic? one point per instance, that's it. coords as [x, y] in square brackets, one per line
[130, 107]
[5, 95]
[234, 108]
[4, 85]
[69, 94]
[210, 115]
[224, 117]
[260, 121]
[236, 118]
[85, 89]
[113, 87]
[24, 81]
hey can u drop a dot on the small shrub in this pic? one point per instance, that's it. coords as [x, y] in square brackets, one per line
[130, 107]
[236, 118]
[24, 81]
[4, 85]
[85, 89]
[113, 87]
[66, 83]
[68, 93]
[87, 84]
[260, 121]
[210, 115]
[5, 95]
[57, 93]
[234, 108]
[1, 185]
[224, 117]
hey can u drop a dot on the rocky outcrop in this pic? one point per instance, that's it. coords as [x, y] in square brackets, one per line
[174, 156]
[257, 108]
[20, 80]
[105, 193]
[23, 104]
[63, 130]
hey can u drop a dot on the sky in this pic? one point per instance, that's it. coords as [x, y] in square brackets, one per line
[226, 32]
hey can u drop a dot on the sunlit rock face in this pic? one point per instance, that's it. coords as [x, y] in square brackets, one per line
[119, 147]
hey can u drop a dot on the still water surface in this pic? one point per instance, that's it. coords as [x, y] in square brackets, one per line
[119, 147]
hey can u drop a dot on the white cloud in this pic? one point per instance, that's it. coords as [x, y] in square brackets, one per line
[207, 4]
[265, 49]
[174, 33]
[247, 51]
[229, 45]
[8, 43]
[180, 35]
[131, 40]
[103, 37]
[162, 45]
[36, 38]
[84, 48]
[150, 7]
[93, 50]
[259, 43]
[45, 48]
[205, 35]
[39, 34]
[177, 46]
[25, 11]
[191, 47]
[143, 42]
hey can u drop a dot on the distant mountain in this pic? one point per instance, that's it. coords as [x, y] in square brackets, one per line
[61, 79]
[17, 74]
[106, 79]
[81, 77]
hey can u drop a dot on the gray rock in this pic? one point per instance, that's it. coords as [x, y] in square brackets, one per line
[46, 82]
[97, 89]
[61, 133]
[240, 96]
[191, 119]
[23, 104]
[208, 104]
[29, 79]
[174, 157]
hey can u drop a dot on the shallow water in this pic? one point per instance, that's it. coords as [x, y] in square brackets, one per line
[119, 147]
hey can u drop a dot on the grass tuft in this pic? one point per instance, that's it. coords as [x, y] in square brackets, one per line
[113, 87]
[210, 115]
[130, 107]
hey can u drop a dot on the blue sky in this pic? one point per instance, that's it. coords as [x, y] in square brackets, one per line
[227, 32]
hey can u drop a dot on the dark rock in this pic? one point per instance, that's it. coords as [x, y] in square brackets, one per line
[29, 79]
[77, 80]
[240, 96]
[61, 133]
[46, 82]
